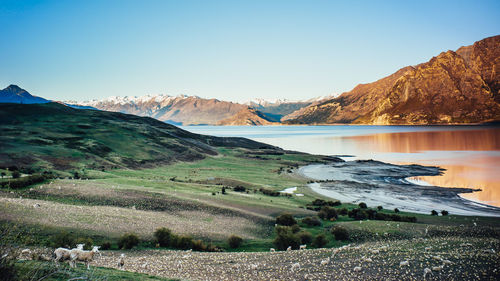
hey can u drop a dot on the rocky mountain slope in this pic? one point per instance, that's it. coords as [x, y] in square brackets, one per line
[14, 94]
[452, 88]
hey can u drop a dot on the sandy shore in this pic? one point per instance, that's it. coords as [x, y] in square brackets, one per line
[378, 183]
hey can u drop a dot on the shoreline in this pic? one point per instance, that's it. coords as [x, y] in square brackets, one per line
[379, 183]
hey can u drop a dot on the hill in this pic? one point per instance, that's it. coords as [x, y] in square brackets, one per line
[14, 94]
[61, 138]
[453, 88]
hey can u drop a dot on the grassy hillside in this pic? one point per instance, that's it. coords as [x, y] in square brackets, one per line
[61, 138]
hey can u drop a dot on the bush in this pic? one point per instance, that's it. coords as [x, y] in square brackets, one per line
[319, 202]
[105, 246]
[235, 241]
[311, 221]
[269, 192]
[434, 213]
[379, 208]
[334, 203]
[305, 237]
[128, 241]
[358, 214]
[223, 190]
[362, 205]
[343, 211]
[63, 239]
[444, 213]
[16, 174]
[340, 233]
[198, 245]
[86, 241]
[286, 220]
[396, 210]
[327, 213]
[239, 188]
[184, 242]
[163, 236]
[320, 241]
[295, 228]
[285, 238]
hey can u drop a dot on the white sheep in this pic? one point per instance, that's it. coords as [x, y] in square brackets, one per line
[375, 251]
[427, 271]
[289, 248]
[404, 263]
[272, 250]
[428, 248]
[121, 261]
[302, 247]
[85, 256]
[438, 258]
[437, 268]
[63, 254]
[325, 261]
[366, 259]
[357, 269]
[295, 266]
[447, 262]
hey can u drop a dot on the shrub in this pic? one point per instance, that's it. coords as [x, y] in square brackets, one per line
[235, 241]
[320, 241]
[334, 203]
[340, 233]
[86, 241]
[286, 219]
[285, 237]
[223, 190]
[16, 174]
[105, 246]
[311, 221]
[327, 213]
[163, 236]
[343, 211]
[318, 202]
[295, 228]
[362, 205]
[128, 241]
[358, 214]
[269, 192]
[379, 208]
[63, 239]
[184, 242]
[434, 213]
[305, 237]
[198, 245]
[396, 210]
[239, 188]
[444, 213]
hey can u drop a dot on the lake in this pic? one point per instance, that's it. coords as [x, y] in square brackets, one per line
[470, 154]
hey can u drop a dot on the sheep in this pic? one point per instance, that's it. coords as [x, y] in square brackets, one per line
[437, 268]
[295, 266]
[447, 262]
[63, 254]
[121, 261]
[325, 261]
[427, 271]
[272, 250]
[302, 247]
[366, 259]
[404, 263]
[375, 251]
[428, 248]
[289, 248]
[36, 205]
[438, 258]
[85, 256]
[254, 266]
[357, 269]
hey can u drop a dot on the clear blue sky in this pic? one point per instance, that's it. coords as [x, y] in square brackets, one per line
[231, 50]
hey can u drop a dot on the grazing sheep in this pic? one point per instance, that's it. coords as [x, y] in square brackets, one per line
[438, 258]
[254, 266]
[289, 248]
[36, 205]
[437, 268]
[272, 250]
[63, 254]
[428, 248]
[357, 269]
[375, 251]
[404, 263]
[302, 247]
[427, 271]
[325, 261]
[366, 259]
[85, 256]
[295, 266]
[447, 262]
[121, 261]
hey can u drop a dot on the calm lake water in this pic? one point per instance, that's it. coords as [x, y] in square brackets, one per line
[470, 154]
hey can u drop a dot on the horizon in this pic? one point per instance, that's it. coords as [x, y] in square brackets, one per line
[228, 51]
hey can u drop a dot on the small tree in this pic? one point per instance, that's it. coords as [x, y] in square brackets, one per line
[223, 190]
[396, 210]
[320, 241]
[379, 208]
[362, 205]
[234, 241]
[444, 213]
[128, 241]
[286, 219]
[285, 238]
[163, 236]
[340, 233]
[311, 221]
[434, 213]
[3, 174]
[327, 213]
[16, 174]
[305, 237]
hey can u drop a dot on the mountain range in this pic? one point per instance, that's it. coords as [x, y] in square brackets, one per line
[455, 87]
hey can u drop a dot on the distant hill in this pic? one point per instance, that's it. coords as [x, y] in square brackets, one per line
[453, 88]
[59, 137]
[179, 110]
[14, 94]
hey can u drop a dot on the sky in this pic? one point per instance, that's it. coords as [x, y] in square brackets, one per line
[230, 50]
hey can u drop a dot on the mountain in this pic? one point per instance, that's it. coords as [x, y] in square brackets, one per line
[14, 94]
[178, 110]
[246, 117]
[60, 138]
[276, 109]
[452, 88]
